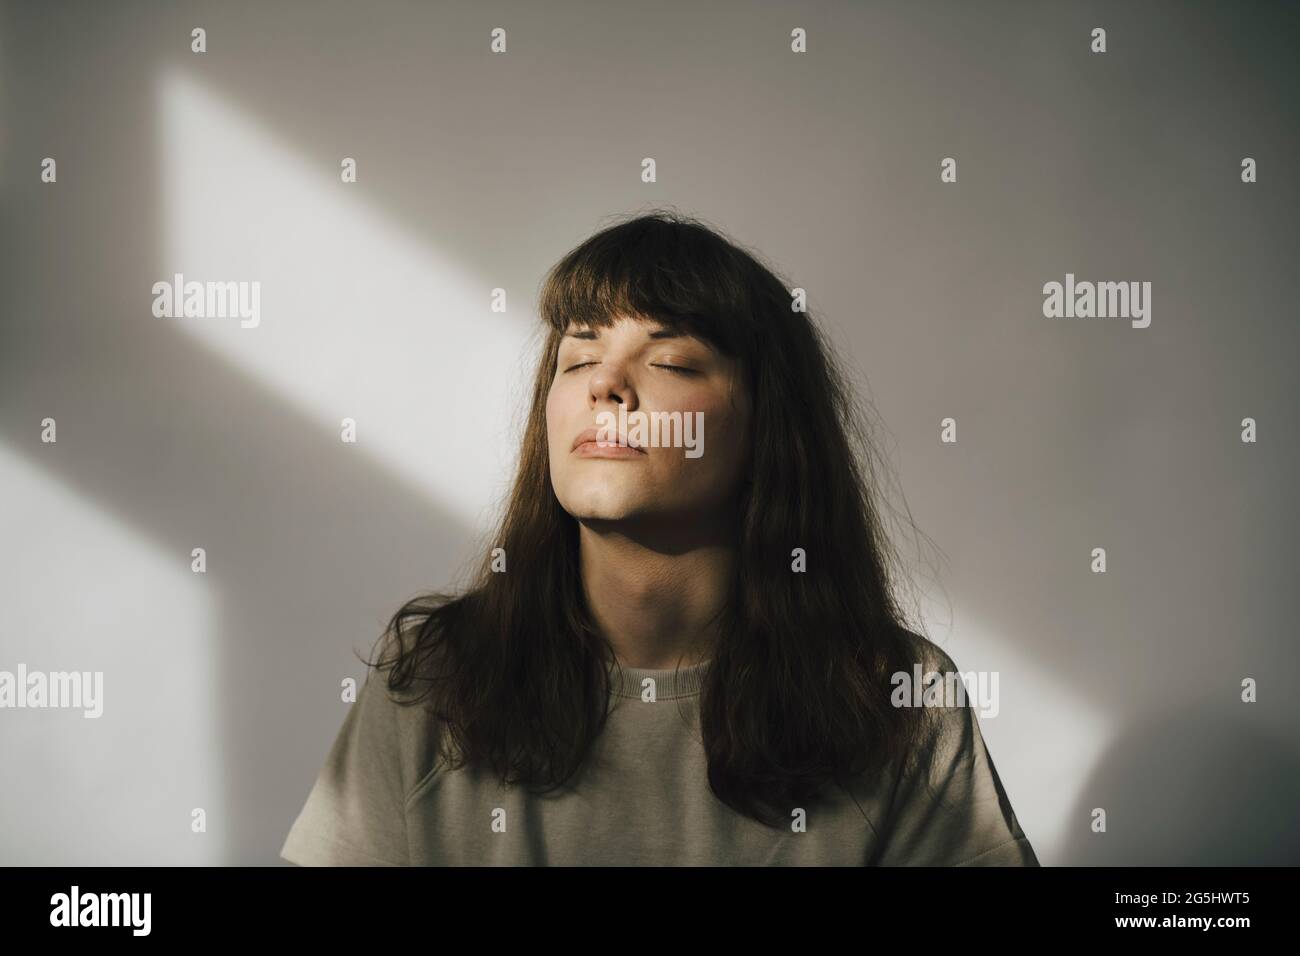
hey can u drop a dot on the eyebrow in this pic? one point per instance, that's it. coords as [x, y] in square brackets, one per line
[591, 334]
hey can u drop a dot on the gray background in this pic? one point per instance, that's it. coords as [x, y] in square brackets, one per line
[478, 171]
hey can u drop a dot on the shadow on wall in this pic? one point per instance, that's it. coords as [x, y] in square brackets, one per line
[308, 541]
[1195, 790]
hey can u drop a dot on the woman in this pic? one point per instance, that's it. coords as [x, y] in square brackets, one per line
[680, 650]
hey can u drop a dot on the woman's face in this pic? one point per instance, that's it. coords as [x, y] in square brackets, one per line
[689, 464]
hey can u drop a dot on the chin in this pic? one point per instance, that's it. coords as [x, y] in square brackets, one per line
[607, 512]
[603, 504]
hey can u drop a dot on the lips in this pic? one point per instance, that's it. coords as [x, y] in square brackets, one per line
[590, 442]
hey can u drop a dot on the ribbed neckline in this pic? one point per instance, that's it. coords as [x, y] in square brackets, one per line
[669, 683]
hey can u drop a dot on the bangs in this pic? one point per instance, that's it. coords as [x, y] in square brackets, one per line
[660, 268]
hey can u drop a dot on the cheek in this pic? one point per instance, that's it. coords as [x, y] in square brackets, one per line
[725, 425]
[554, 419]
[726, 437]
[555, 403]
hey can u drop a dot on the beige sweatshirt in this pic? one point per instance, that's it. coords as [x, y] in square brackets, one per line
[642, 799]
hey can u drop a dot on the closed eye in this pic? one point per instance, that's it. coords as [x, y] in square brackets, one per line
[678, 369]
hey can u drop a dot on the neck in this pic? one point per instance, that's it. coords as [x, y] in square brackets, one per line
[656, 595]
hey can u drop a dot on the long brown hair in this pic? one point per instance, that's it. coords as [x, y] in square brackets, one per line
[797, 692]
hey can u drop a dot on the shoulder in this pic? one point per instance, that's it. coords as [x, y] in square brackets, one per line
[398, 729]
[949, 729]
[355, 814]
[929, 655]
[948, 806]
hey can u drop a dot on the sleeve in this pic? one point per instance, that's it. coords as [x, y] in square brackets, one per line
[355, 814]
[953, 810]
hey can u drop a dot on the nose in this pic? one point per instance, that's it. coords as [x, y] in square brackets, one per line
[609, 385]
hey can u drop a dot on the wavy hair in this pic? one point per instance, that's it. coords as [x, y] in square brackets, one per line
[796, 696]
